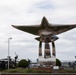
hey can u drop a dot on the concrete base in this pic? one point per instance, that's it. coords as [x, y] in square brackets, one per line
[49, 62]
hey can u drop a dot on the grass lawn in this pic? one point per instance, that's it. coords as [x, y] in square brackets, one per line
[21, 70]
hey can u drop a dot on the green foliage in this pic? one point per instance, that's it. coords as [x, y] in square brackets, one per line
[22, 70]
[23, 63]
[58, 62]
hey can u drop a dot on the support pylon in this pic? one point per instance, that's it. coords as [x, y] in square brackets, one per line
[53, 52]
[53, 49]
[40, 48]
[47, 53]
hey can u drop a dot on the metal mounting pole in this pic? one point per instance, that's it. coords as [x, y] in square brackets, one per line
[8, 50]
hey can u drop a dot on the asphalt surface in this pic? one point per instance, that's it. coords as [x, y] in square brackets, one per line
[37, 73]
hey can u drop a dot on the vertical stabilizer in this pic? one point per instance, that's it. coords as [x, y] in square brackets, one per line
[44, 22]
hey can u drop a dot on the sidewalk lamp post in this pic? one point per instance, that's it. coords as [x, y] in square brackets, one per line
[8, 50]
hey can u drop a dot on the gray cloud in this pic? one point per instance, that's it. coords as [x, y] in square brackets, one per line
[28, 12]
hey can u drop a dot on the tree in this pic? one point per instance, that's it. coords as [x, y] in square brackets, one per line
[23, 63]
[58, 62]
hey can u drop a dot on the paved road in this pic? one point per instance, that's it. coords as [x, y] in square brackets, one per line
[37, 73]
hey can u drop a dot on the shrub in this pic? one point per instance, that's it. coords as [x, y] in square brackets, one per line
[23, 63]
[58, 62]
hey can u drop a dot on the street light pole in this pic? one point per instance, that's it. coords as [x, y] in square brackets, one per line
[8, 50]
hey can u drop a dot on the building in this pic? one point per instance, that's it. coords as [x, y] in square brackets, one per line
[4, 63]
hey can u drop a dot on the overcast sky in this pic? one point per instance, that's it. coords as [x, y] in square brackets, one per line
[30, 12]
